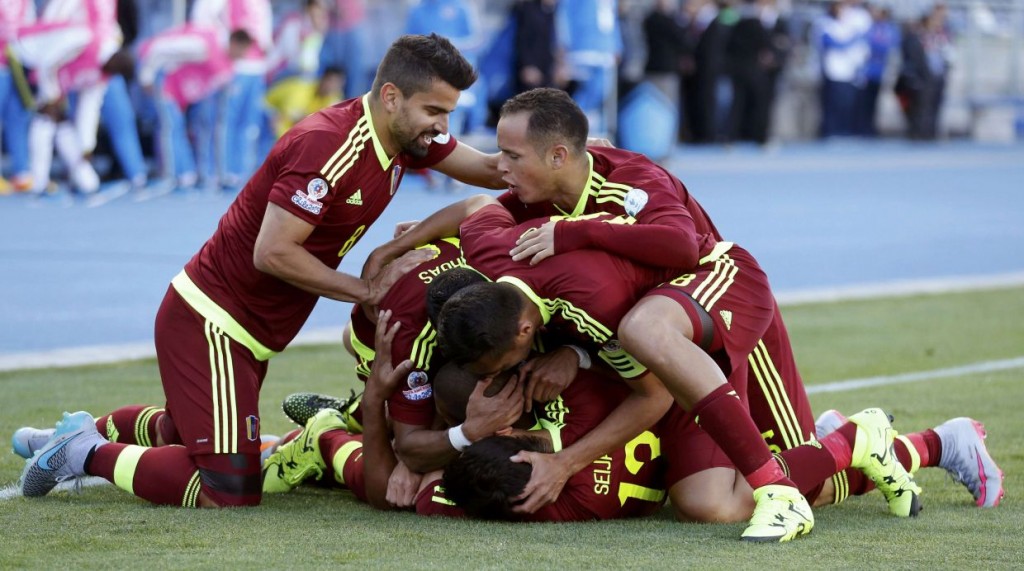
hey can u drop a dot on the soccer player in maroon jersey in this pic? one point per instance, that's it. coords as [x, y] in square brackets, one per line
[247, 292]
[588, 297]
[411, 410]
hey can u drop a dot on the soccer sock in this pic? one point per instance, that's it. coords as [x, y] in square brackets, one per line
[728, 422]
[164, 476]
[135, 424]
[343, 454]
[810, 464]
[918, 449]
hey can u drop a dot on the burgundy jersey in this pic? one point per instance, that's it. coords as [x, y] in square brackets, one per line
[582, 295]
[626, 483]
[331, 171]
[416, 339]
[636, 192]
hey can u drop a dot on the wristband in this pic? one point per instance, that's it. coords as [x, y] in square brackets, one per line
[457, 438]
[583, 355]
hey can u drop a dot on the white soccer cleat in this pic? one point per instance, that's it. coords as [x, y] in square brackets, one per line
[966, 458]
[828, 422]
[27, 440]
[63, 457]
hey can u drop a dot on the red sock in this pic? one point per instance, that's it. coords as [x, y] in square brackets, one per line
[136, 424]
[345, 451]
[810, 464]
[164, 476]
[728, 422]
[927, 445]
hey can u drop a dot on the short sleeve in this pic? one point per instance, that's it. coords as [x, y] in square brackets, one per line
[298, 185]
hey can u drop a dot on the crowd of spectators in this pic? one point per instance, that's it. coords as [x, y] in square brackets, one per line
[197, 103]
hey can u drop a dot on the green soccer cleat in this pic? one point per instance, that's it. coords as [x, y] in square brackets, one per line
[782, 514]
[300, 407]
[300, 459]
[874, 455]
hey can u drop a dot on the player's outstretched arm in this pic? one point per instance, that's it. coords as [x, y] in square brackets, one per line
[467, 164]
[441, 224]
[379, 459]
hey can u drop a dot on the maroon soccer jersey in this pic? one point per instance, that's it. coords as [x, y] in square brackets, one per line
[655, 219]
[329, 170]
[416, 339]
[581, 294]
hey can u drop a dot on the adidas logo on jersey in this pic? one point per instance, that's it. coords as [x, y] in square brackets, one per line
[726, 317]
[356, 199]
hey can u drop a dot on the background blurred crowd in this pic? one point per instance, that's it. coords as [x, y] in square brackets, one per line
[194, 92]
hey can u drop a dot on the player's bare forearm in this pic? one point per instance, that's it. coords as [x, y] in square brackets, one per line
[378, 457]
[423, 449]
[648, 402]
[278, 251]
[441, 224]
[468, 165]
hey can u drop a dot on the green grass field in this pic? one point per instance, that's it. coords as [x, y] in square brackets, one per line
[105, 528]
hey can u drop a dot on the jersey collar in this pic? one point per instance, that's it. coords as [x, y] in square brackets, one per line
[382, 155]
[591, 187]
[545, 314]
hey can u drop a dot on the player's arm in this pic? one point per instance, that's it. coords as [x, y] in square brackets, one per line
[424, 449]
[642, 408]
[468, 165]
[279, 252]
[379, 459]
[441, 224]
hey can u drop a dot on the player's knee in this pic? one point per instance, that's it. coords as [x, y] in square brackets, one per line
[702, 509]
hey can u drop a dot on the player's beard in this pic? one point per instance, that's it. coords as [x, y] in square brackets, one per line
[412, 143]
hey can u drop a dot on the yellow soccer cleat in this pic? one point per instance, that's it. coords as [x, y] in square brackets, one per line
[300, 459]
[874, 455]
[782, 514]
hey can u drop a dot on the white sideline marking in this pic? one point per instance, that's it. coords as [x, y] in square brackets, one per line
[13, 491]
[982, 367]
[100, 354]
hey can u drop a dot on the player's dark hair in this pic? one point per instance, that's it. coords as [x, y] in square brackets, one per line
[479, 320]
[554, 118]
[453, 385]
[445, 285]
[413, 62]
[484, 482]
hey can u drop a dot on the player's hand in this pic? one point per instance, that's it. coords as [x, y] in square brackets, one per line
[382, 282]
[546, 482]
[487, 415]
[402, 486]
[599, 142]
[548, 375]
[535, 244]
[384, 378]
[403, 227]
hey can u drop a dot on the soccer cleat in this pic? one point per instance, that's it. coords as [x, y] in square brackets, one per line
[63, 456]
[828, 422]
[300, 459]
[27, 440]
[781, 514]
[874, 455]
[268, 444]
[966, 458]
[300, 407]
